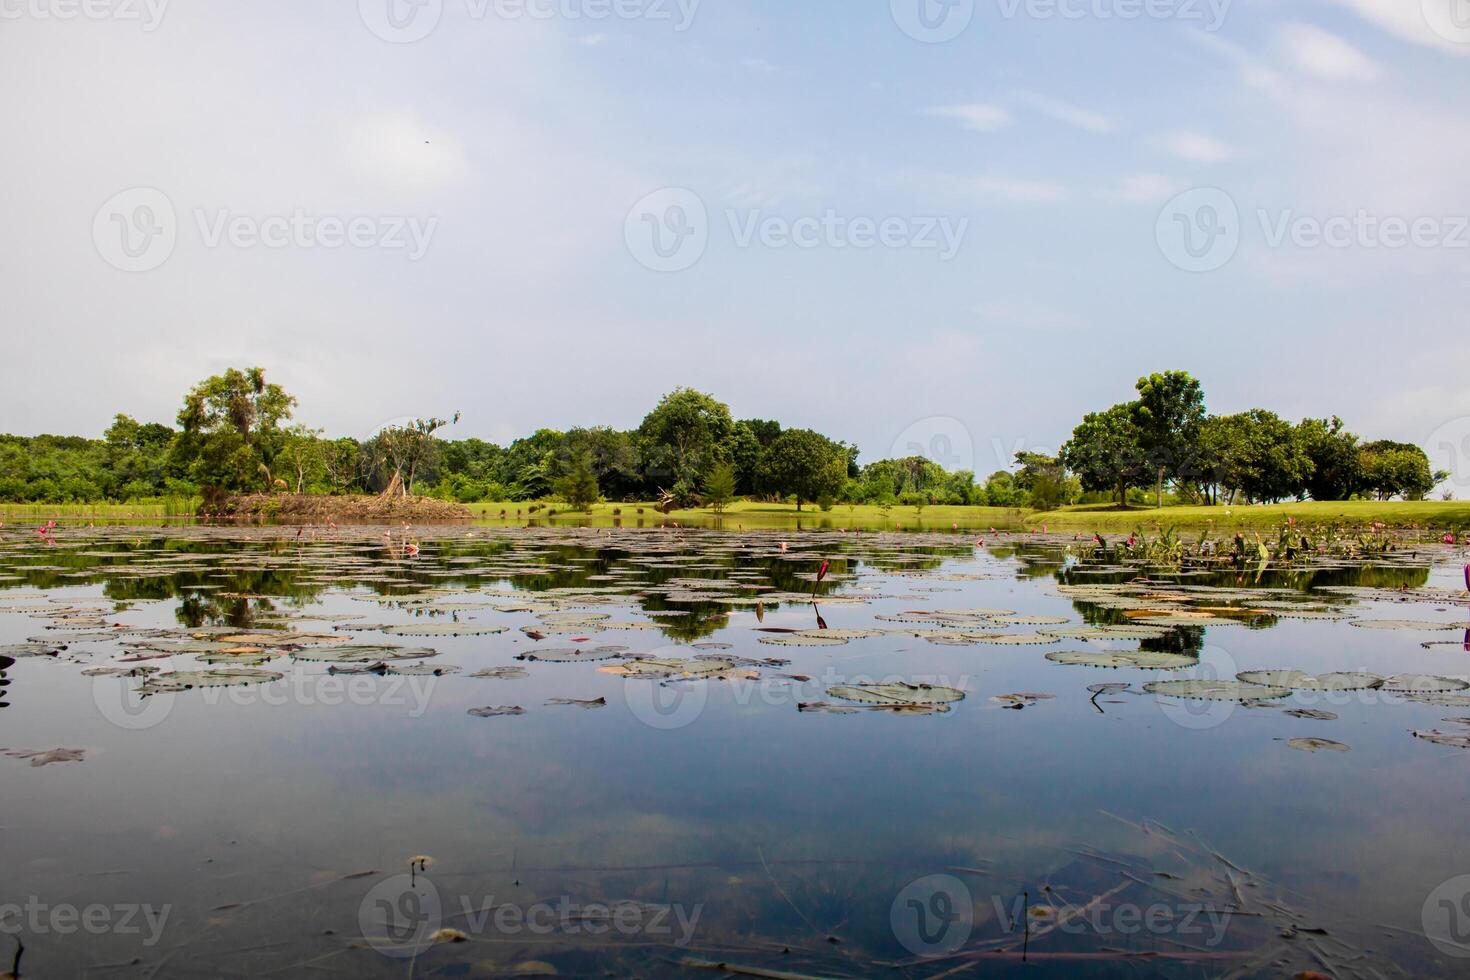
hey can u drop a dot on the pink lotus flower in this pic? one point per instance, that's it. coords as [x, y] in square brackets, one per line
[1449, 539]
[411, 549]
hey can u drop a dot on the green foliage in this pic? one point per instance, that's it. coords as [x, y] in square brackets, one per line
[805, 464]
[1256, 453]
[1169, 412]
[1106, 451]
[231, 431]
[719, 487]
[577, 485]
[685, 435]
[1395, 469]
[1337, 468]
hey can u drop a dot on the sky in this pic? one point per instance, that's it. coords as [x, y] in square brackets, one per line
[950, 226]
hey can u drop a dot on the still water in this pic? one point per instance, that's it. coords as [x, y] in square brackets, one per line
[578, 752]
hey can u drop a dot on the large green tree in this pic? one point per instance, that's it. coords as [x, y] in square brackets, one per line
[683, 438]
[1337, 467]
[805, 464]
[1169, 412]
[1396, 469]
[1106, 452]
[1256, 453]
[231, 430]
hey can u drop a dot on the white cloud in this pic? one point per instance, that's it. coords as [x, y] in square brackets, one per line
[1146, 188]
[1433, 23]
[1092, 122]
[1015, 190]
[1313, 51]
[981, 117]
[1197, 147]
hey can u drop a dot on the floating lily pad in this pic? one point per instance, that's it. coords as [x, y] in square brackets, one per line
[183, 680]
[364, 653]
[814, 638]
[443, 629]
[1299, 681]
[502, 673]
[493, 712]
[1403, 624]
[1216, 690]
[1141, 659]
[1424, 683]
[1316, 745]
[898, 693]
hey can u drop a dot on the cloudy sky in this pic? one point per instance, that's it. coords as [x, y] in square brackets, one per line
[897, 222]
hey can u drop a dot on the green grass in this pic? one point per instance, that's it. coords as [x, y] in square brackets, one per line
[1439, 514]
[142, 510]
[1395, 513]
[751, 514]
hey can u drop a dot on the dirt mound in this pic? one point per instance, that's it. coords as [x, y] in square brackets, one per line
[313, 508]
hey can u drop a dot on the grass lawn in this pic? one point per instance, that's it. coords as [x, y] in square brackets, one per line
[1395, 513]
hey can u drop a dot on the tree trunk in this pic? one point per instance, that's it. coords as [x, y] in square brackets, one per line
[1159, 488]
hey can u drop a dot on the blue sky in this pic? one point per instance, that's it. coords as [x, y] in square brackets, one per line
[525, 153]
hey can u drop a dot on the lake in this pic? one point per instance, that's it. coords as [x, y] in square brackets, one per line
[488, 751]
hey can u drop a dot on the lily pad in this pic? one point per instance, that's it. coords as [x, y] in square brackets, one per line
[183, 680]
[1141, 659]
[898, 693]
[1299, 681]
[1216, 690]
[1316, 745]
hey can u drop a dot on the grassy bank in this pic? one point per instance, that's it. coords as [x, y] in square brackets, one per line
[137, 510]
[1436, 514]
[1433, 514]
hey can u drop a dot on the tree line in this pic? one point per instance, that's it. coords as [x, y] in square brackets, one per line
[235, 434]
[1166, 438]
